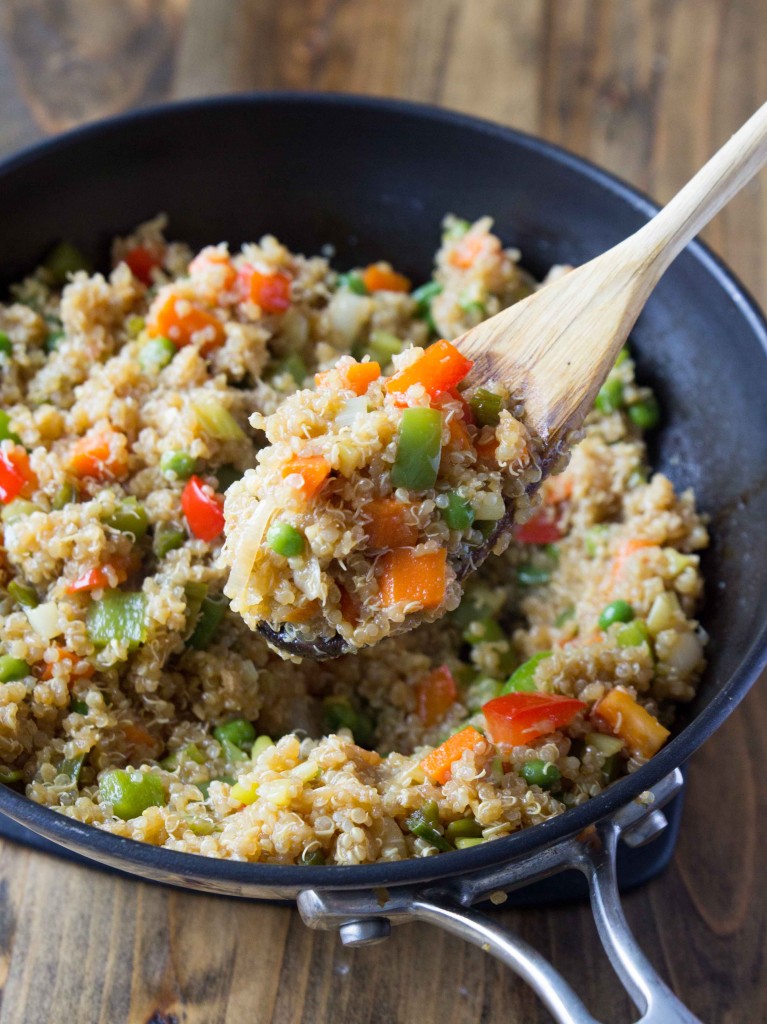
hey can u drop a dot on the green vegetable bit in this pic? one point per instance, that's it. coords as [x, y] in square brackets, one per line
[423, 297]
[227, 475]
[10, 775]
[458, 513]
[6, 345]
[128, 517]
[645, 414]
[262, 743]
[464, 828]
[284, 539]
[54, 337]
[195, 594]
[594, 538]
[215, 419]
[180, 464]
[529, 575]
[131, 792]
[481, 630]
[12, 669]
[466, 842]
[382, 346]
[6, 434]
[292, 364]
[610, 395]
[135, 325]
[118, 616]
[312, 858]
[20, 508]
[338, 713]
[211, 614]
[238, 731]
[480, 692]
[24, 595]
[64, 496]
[353, 281]
[616, 611]
[78, 707]
[191, 752]
[633, 635]
[419, 446]
[62, 260]
[540, 773]
[70, 767]
[486, 407]
[167, 537]
[457, 228]
[156, 354]
[420, 825]
[564, 617]
[523, 679]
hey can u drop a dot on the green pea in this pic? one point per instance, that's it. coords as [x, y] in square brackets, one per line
[128, 517]
[156, 354]
[167, 538]
[131, 792]
[645, 414]
[529, 575]
[540, 773]
[180, 464]
[6, 434]
[458, 513]
[353, 281]
[419, 445]
[610, 395]
[464, 828]
[6, 345]
[64, 496]
[616, 611]
[284, 539]
[486, 407]
[12, 669]
[523, 679]
[23, 594]
[238, 731]
[62, 260]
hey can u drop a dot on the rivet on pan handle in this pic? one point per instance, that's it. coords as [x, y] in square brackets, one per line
[364, 917]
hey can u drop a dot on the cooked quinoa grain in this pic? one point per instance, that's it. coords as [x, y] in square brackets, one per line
[142, 410]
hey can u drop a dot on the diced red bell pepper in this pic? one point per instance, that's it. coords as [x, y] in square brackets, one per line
[435, 694]
[520, 718]
[543, 528]
[141, 262]
[97, 578]
[272, 292]
[16, 475]
[203, 509]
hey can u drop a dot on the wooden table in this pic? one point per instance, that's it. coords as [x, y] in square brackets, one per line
[648, 89]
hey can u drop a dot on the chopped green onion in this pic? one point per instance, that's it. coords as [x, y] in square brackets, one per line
[529, 575]
[486, 407]
[62, 260]
[466, 842]
[191, 752]
[195, 594]
[128, 517]
[23, 594]
[616, 611]
[10, 775]
[156, 354]
[167, 537]
[540, 773]
[211, 614]
[215, 419]
[423, 296]
[118, 616]
[180, 464]
[464, 828]
[420, 825]
[64, 496]
[605, 744]
[564, 617]
[458, 513]
[70, 767]
[523, 679]
[353, 281]
[53, 339]
[131, 792]
[284, 539]
[6, 345]
[645, 414]
[419, 446]
[610, 395]
[12, 669]
[238, 731]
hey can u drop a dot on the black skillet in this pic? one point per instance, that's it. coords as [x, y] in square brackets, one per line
[374, 179]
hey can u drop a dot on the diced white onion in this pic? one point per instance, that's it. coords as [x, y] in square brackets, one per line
[348, 314]
[684, 653]
[45, 620]
[488, 507]
[351, 410]
[663, 613]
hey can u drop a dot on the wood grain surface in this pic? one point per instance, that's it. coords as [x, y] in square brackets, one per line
[648, 88]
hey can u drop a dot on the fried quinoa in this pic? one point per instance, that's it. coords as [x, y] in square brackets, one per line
[132, 697]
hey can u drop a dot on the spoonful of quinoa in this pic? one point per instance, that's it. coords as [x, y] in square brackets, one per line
[378, 494]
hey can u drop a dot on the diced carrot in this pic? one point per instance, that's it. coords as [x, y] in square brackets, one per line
[305, 614]
[379, 277]
[356, 376]
[102, 454]
[389, 526]
[439, 763]
[624, 553]
[543, 528]
[99, 578]
[17, 478]
[468, 250]
[459, 435]
[313, 470]
[557, 489]
[487, 448]
[439, 369]
[172, 316]
[520, 718]
[79, 668]
[349, 608]
[139, 737]
[435, 695]
[641, 732]
[141, 262]
[409, 577]
[272, 292]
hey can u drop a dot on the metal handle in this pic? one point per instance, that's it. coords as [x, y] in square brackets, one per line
[363, 919]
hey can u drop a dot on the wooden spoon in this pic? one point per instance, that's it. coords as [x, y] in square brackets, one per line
[555, 348]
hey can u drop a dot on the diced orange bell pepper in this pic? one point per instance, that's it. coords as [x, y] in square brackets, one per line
[439, 763]
[435, 695]
[389, 526]
[640, 731]
[459, 435]
[17, 478]
[520, 718]
[271, 292]
[102, 454]
[357, 377]
[379, 277]
[175, 317]
[439, 369]
[405, 576]
[313, 470]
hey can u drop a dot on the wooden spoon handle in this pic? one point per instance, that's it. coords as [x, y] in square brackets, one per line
[728, 170]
